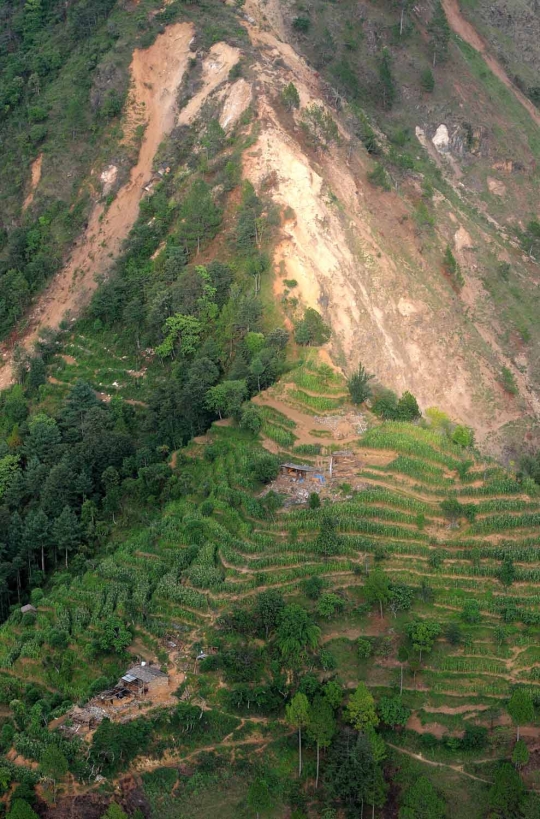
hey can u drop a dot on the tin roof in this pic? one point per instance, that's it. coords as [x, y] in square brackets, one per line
[144, 673]
[300, 467]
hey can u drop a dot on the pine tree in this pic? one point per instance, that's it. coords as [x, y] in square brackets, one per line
[358, 385]
[259, 798]
[388, 86]
[328, 541]
[439, 31]
[360, 709]
[66, 532]
[520, 754]
[200, 217]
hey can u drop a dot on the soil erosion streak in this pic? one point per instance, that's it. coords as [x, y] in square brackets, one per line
[156, 74]
[467, 32]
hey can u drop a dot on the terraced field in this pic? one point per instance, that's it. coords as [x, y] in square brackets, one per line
[454, 536]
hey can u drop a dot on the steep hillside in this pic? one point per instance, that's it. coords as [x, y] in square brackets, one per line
[239, 574]
[371, 260]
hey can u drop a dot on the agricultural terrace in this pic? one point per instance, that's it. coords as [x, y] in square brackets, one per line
[455, 538]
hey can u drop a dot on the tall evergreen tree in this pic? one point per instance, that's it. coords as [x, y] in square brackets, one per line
[439, 31]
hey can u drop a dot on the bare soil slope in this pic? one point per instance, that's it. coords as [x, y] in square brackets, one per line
[358, 259]
[468, 33]
[156, 76]
[355, 250]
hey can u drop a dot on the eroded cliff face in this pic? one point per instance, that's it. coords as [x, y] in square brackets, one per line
[359, 258]
[357, 251]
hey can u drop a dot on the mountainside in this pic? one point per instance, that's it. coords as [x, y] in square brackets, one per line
[371, 260]
[270, 393]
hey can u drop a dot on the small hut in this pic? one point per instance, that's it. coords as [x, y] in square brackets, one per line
[143, 678]
[28, 609]
[298, 471]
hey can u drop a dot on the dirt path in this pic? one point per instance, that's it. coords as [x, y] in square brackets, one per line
[457, 768]
[156, 76]
[467, 32]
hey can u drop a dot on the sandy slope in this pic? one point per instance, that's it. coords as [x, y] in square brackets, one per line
[156, 76]
[356, 260]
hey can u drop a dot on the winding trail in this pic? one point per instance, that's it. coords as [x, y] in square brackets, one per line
[457, 768]
[469, 34]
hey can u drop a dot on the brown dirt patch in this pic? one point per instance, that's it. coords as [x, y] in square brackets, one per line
[454, 709]
[221, 58]
[434, 728]
[156, 76]
[35, 176]
[69, 359]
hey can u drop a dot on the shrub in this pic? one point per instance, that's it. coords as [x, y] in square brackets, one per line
[312, 587]
[358, 385]
[318, 126]
[471, 612]
[427, 80]
[329, 604]
[508, 381]
[301, 24]
[464, 436]
[475, 738]
[423, 217]
[452, 268]
[379, 177]
[407, 408]
[312, 330]
[385, 404]
[290, 99]
[364, 648]
[265, 467]
[251, 419]
[314, 501]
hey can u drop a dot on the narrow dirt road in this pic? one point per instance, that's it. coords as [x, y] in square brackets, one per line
[156, 74]
[467, 32]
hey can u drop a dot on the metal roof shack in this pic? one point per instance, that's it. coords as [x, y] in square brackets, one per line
[28, 609]
[299, 469]
[140, 678]
[146, 674]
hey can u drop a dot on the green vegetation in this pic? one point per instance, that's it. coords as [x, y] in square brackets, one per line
[318, 626]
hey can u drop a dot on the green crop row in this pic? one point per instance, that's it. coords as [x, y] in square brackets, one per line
[380, 495]
[276, 417]
[319, 403]
[410, 440]
[283, 437]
